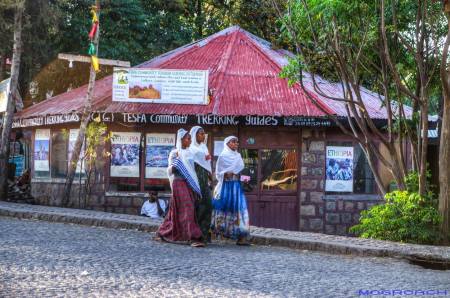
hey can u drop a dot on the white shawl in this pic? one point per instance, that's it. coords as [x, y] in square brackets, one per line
[229, 161]
[186, 157]
[200, 150]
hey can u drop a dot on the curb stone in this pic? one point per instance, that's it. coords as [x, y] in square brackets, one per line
[259, 236]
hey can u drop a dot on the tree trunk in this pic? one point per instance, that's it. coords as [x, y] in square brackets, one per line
[199, 18]
[2, 66]
[424, 149]
[444, 144]
[373, 167]
[9, 114]
[85, 118]
[444, 170]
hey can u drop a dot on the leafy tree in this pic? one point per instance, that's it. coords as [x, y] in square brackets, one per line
[123, 29]
[371, 43]
[6, 38]
[444, 146]
[18, 8]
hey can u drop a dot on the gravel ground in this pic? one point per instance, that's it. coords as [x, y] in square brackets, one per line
[42, 259]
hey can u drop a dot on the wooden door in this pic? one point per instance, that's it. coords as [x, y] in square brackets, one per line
[271, 160]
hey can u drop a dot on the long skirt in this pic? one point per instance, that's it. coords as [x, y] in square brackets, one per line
[230, 213]
[180, 224]
[204, 205]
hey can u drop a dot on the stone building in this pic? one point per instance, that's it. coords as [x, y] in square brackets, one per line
[285, 139]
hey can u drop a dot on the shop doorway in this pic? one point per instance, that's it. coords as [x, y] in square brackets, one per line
[271, 160]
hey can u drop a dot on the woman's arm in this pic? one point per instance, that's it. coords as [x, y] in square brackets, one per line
[172, 155]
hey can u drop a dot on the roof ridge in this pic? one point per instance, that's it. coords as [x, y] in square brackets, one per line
[223, 64]
[185, 48]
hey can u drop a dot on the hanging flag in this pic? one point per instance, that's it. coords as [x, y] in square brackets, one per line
[95, 64]
[91, 50]
[93, 31]
[94, 14]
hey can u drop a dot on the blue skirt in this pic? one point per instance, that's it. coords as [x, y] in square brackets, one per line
[230, 213]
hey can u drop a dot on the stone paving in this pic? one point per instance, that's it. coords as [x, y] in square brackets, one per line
[264, 236]
[42, 259]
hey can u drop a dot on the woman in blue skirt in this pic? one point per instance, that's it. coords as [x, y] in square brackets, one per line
[230, 213]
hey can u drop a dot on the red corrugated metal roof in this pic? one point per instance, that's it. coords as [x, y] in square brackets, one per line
[373, 101]
[243, 80]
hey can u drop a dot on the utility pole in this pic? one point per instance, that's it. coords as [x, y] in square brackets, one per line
[9, 114]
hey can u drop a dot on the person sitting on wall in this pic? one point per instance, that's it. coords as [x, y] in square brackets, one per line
[154, 207]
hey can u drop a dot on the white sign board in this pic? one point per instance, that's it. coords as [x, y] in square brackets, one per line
[4, 91]
[158, 147]
[160, 86]
[42, 150]
[125, 154]
[339, 169]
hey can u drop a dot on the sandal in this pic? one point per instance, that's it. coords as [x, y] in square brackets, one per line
[157, 238]
[198, 244]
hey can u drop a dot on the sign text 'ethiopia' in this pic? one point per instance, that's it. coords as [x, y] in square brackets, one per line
[160, 86]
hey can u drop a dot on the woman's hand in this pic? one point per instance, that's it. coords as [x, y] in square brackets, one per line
[208, 157]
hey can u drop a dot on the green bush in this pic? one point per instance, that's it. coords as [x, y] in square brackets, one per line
[405, 217]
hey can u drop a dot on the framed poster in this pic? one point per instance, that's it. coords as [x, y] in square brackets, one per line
[339, 169]
[41, 150]
[4, 92]
[176, 86]
[158, 147]
[73, 135]
[125, 154]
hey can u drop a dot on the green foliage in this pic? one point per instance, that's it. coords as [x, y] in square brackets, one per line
[132, 30]
[405, 217]
[314, 23]
[128, 30]
[292, 71]
[318, 27]
[96, 137]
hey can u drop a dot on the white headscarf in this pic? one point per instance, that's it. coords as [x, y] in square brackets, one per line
[185, 155]
[229, 161]
[200, 150]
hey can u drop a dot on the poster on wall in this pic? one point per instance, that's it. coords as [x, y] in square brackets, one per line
[157, 152]
[339, 169]
[125, 154]
[4, 91]
[41, 150]
[160, 86]
[73, 134]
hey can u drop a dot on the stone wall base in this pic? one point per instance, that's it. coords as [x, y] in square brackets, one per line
[50, 194]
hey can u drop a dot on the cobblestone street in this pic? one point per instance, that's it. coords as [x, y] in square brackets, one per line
[53, 259]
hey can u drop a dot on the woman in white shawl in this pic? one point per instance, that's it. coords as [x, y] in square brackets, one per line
[202, 160]
[230, 213]
[180, 224]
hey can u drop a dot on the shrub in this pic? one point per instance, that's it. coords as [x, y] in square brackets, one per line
[405, 217]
